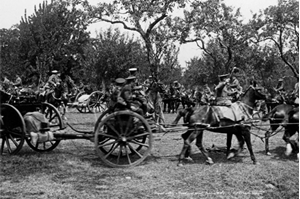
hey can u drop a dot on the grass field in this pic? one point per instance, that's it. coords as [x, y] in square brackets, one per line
[73, 170]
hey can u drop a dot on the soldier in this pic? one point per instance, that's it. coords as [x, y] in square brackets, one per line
[279, 89]
[223, 92]
[18, 82]
[53, 80]
[234, 84]
[133, 96]
[119, 84]
[6, 84]
[280, 86]
[133, 71]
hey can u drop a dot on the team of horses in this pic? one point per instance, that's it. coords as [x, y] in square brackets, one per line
[211, 118]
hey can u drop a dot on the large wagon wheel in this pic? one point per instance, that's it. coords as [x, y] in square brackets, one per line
[123, 139]
[55, 120]
[12, 130]
[94, 104]
[105, 149]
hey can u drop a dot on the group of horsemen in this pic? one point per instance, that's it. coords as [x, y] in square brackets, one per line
[130, 93]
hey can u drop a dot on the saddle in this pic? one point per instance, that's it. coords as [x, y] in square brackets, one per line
[236, 112]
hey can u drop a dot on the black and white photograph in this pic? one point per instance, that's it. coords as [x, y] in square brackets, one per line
[158, 99]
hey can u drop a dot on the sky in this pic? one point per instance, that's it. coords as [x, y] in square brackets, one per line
[11, 12]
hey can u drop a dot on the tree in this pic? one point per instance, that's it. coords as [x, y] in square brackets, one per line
[280, 24]
[9, 60]
[209, 23]
[112, 54]
[54, 37]
[138, 16]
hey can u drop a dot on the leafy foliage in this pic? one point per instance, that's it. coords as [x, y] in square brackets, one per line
[54, 37]
[280, 24]
[139, 16]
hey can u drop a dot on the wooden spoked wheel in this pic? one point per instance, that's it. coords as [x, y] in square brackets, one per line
[123, 139]
[94, 104]
[54, 118]
[12, 130]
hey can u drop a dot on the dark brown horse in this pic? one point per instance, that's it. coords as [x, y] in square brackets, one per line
[275, 117]
[291, 125]
[206, 118]
[284, 115]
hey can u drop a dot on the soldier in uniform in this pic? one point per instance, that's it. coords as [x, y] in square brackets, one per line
[279, 89]
[223, 92]
[133, 96]
[119, 84]
[6, 84]
[280, 86]
[53, 80]
[18, 82]
[234, 85]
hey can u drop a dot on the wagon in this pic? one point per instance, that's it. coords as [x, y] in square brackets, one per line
[13, 130]
[121, 138]
[89, 103]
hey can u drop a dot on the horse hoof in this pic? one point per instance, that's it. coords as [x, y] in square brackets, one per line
[288, 150]
[231, 155]
[180, 164]
[189, 159]
[256, 163]
[268, 153]
[209, 162]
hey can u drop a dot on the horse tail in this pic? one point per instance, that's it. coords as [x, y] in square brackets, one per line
[269, 115]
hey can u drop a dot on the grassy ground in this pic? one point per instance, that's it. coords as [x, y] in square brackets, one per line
[72, 170]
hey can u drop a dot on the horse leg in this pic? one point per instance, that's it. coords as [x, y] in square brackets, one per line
[241, 141]
[286, 137]
[247, 136]
[267, 136]
[180, 114]
[165, 106]
[228, 144]
[188, 138]
[201, 148]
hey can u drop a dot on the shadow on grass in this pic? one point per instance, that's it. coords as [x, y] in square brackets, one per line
[278, 154]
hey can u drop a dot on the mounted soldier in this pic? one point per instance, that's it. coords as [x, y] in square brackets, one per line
[234, 84]
[279, 89]
[223, 91]
[207, 95]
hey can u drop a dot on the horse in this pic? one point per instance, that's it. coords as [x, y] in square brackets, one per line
[208, 118]
[276, 118]
[291, 125]
[283, 98]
